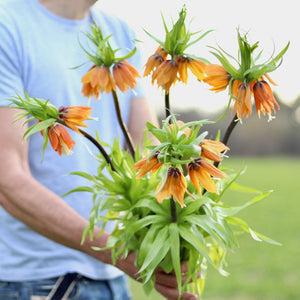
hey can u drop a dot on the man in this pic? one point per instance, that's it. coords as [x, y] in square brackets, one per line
[40, 232]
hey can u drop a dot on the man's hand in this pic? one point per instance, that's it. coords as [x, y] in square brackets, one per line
[165, 284]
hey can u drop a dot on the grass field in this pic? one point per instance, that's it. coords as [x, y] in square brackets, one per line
[260, 271]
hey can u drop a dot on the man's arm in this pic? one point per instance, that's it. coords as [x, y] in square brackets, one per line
[32, 203]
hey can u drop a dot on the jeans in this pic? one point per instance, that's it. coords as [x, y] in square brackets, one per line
[84, 289]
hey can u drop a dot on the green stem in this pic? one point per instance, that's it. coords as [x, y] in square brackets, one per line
[167, 105]
[225, 139]
[172, 202]
[99, 146]
[173, 210]
[228, 132]
[230, 128]
[122, 124]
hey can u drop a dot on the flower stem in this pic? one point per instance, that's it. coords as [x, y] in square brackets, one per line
[99, 146]
[173, 210]
[122, 124]
[228, 132]
[167, 105]
[172, 202]
[229, 129]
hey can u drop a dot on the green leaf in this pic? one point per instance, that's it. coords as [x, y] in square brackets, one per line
[174, 237]
[147, 242]
[255, 235]
[225, 63]
[186, 232]
[240, 188]
[199, 38]
[230, 211]
[84, 175]
[80, 189]
[141, 223]
[39, 127]
[214, 229]
[191, 207]
[153, 205]
[156, 253]
[154, 38]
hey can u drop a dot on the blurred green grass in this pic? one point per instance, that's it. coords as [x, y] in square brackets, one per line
[260, 271]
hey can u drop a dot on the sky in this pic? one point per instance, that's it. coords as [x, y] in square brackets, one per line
[272, 23]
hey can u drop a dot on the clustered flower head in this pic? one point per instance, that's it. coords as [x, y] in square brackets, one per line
[51, 121]
[197, 153]
[249, 80]
[108, 71]
[170, 63]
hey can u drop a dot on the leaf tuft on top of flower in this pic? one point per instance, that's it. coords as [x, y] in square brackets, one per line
[170, 63]
[99, 78]
[244, 76]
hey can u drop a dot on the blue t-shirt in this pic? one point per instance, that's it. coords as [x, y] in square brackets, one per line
[38, 53]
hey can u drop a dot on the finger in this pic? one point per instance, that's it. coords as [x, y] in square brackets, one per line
[184, 267]
[166, 279]
[173, 294]
[171, 280]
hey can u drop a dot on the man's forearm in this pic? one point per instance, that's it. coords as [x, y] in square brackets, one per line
[46, 213]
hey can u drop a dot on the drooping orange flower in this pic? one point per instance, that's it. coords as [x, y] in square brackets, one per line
[165, 74]
[161, 51]
[97, 80]
[241, 93]
[125, 75]
[155, 60]
[175, 186]
[197, 67]
[146, 165]
[217, 77]
[184, 63]
[265, 101]
[73, 116]
[212, 150]
[200, 171]
[60, 139]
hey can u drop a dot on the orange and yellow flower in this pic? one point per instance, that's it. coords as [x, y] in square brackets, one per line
[200, 172]
[167, 71]
[182, 62]
[125, 75]
[195, 66]
[60, 139]
[217, 77]
[73, 116]
[212, 150]
[146, 165]
[265, 101]
[166, 74]
[155, 60]
[241, 93]
[175, 186]
[97, 80]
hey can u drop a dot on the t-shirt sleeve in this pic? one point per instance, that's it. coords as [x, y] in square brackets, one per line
[11, 82]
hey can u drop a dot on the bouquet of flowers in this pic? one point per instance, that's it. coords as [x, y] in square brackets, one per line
[165, 196]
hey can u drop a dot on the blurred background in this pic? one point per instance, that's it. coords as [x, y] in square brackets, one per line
[269, 150]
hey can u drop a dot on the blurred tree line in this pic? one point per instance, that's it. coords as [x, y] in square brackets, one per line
[255, 136]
